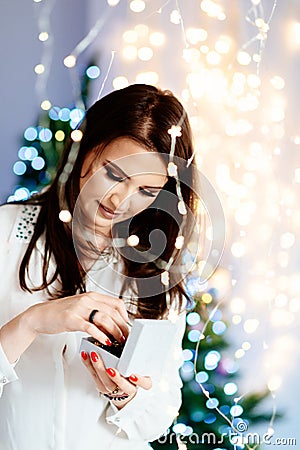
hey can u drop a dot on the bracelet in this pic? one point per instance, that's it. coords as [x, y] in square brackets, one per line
[118, 398]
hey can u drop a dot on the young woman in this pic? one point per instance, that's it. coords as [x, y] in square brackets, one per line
[69, 269]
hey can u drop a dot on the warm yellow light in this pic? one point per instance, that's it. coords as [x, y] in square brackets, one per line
[287, 240]
[157, 38]
[295, 33]
[130, 36]
[246, 345]
[274, 383]
[204, 49]
[277, 114]
[243, 58]
[133, 240]
[237, 305]
[175, 17]
[142, 30]
[253, 81]
[39, 69]
[195, 35]
[70, 61]
[145, 53]
[239, 353]
[223, 44]
[120, 82]
[250, 325]
[206, 298]
[113, 2]
[46, 105]
[236, 319]
[213, 58]
[137, 5]
[76, 135]
[147, 78]
[277, 82]
[59, 135]
[130, 52]
[179, 242]
[65, 216]
[43, 36]
[211, 8]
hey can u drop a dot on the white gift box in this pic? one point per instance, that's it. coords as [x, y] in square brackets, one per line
[145, 349]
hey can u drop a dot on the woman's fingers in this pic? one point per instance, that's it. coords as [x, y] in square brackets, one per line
[88, 364]
[141, 381]
[99, 368]
[113, 325]
[121, 382]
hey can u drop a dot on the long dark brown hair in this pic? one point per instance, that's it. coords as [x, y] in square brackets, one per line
[145, 114]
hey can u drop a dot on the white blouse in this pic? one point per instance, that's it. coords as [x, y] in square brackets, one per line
[48, 398]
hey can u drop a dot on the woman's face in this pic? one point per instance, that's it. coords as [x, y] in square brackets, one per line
[124, 180]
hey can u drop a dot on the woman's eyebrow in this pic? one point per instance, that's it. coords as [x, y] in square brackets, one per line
[115, 166]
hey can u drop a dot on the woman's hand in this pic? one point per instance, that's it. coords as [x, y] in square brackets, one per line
[72, 314]
[109, 380]
[66, 314]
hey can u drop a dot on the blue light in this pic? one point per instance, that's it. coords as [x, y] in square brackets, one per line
[194, 335]
[187, 354]
[21, 194]
[230, 388]
[76, 115]
[202, 377]
[210, 418]
[193, 318]
[73, 124]
[236, 410]
[30, 153]
[216, 316]
[212, 403]
[64, 114]
[21, 153]
[224, 409]
[187, 371]
[30, 134]
[211, 360]
[179, 428]
[38, 163]
[219, 327]
[188, 431]
[45, 135]
[19, 168]
[54, 113]
[93, 72]
[197, 416]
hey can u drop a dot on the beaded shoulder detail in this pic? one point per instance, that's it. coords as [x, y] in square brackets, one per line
[25, 223]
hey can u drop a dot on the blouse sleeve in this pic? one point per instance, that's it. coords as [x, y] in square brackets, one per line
[7, 372]
[149, 414]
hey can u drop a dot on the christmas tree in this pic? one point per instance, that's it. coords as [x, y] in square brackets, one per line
[212, 416]
[44, 142]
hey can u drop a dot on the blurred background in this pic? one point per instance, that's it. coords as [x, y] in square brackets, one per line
[235, 65]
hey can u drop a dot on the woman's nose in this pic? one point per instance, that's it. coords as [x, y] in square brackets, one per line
[121, 197]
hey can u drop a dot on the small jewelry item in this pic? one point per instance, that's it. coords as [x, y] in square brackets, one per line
[92, 315]
[115, 391]
[116, 398]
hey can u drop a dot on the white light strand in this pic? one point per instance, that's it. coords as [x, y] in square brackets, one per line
[44, 26]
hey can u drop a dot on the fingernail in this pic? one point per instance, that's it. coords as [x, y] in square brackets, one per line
[94, 356]
[108, 342]
[84, 355]
[111, 372]
[133, 378]
[122, 339]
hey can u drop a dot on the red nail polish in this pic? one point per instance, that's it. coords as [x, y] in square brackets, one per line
[122, 339]
[133, 378]
[111, 372]
[94, 356]
[108, 342]
[84, 355]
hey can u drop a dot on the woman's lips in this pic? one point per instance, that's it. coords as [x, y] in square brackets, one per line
[106, 212]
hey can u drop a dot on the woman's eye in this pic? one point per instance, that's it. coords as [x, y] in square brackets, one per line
[113, 176]
[145, 192]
